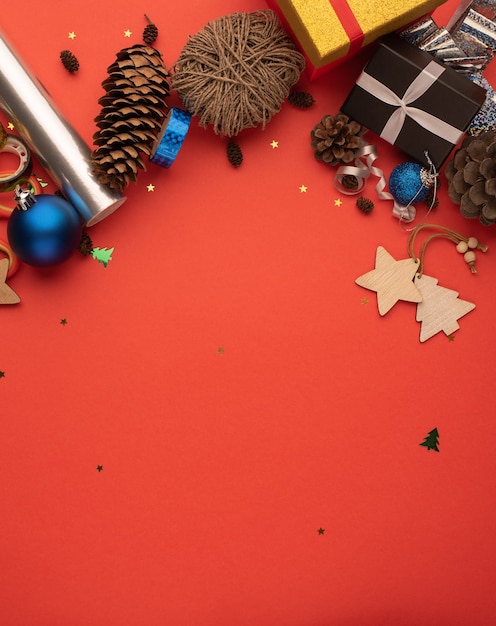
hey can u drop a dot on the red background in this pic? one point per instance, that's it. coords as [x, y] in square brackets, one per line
[238, 392]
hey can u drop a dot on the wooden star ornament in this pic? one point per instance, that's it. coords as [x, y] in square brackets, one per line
[392, 280]
[7, 295]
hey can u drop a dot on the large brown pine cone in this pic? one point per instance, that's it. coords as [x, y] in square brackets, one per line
[472, 177]
[133, 110]
[336, 139]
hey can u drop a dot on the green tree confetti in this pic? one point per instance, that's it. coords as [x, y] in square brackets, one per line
[102, 255]
[431, 441]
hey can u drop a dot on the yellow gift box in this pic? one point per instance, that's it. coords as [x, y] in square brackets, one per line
[328, 31]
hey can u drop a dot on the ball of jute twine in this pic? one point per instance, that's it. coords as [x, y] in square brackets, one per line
[237, 71]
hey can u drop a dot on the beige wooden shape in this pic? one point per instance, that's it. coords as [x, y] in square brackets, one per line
[440, 308]
[7, 295]
[392, 280]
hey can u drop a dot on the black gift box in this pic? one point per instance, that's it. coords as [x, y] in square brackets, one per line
[449, 100]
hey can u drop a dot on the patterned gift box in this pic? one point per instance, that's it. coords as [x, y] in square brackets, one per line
[412, 101]
[329, 31]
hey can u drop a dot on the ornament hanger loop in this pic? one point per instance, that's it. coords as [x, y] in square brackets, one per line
[464, 245]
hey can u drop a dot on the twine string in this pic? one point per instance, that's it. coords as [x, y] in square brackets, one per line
[443, 232]
[237, 71]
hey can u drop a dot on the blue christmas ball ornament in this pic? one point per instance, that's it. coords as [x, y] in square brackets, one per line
[43, 230]
[409, 183]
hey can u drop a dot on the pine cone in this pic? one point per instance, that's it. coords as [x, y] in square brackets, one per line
[150, 33]
[234, 154]
[69, 61]
[472, 177]
[431, 200]
[301, 99]
[365, 205]
[133, 110]
[85, 245]
[350, 182]
[336, 139]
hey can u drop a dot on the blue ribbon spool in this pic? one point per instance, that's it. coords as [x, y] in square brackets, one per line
[171, 138]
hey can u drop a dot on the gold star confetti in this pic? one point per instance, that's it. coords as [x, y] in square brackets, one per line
[274, 143]
[63, 321]
[303, 188]
[150, 187]
[451, 337]
[321, 531]
[364, 301]
[127, 33]
[220, 350]
[10, 126]
[99, 468]
[338, 202]
[72, 35]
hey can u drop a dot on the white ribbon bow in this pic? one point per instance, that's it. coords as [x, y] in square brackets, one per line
[418, 87]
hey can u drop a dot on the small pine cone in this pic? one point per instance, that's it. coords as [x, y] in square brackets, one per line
[301, 99]
[69, 61]
[364, 204]
[350, 182]
[150, 33]
[234, 154]
[336, 139]
[431, 200]
[85, 245]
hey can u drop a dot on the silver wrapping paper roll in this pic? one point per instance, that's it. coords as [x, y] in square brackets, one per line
[59, 148]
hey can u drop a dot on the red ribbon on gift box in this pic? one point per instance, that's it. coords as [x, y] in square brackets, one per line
[349, 23]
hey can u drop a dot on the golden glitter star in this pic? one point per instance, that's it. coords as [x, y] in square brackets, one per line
[10, 126]
[127, 33]
[392, 280]
[220, 350]
[321, 531]
[303, 188]
[274, 143]
[364, 301]
[72, 35]
[151, 187]
[451, 337]
[338, 202]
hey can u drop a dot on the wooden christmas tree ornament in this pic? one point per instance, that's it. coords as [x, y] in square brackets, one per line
[441, 308]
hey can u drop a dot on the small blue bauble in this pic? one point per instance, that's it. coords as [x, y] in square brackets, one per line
[46, 233]
[406, 184]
